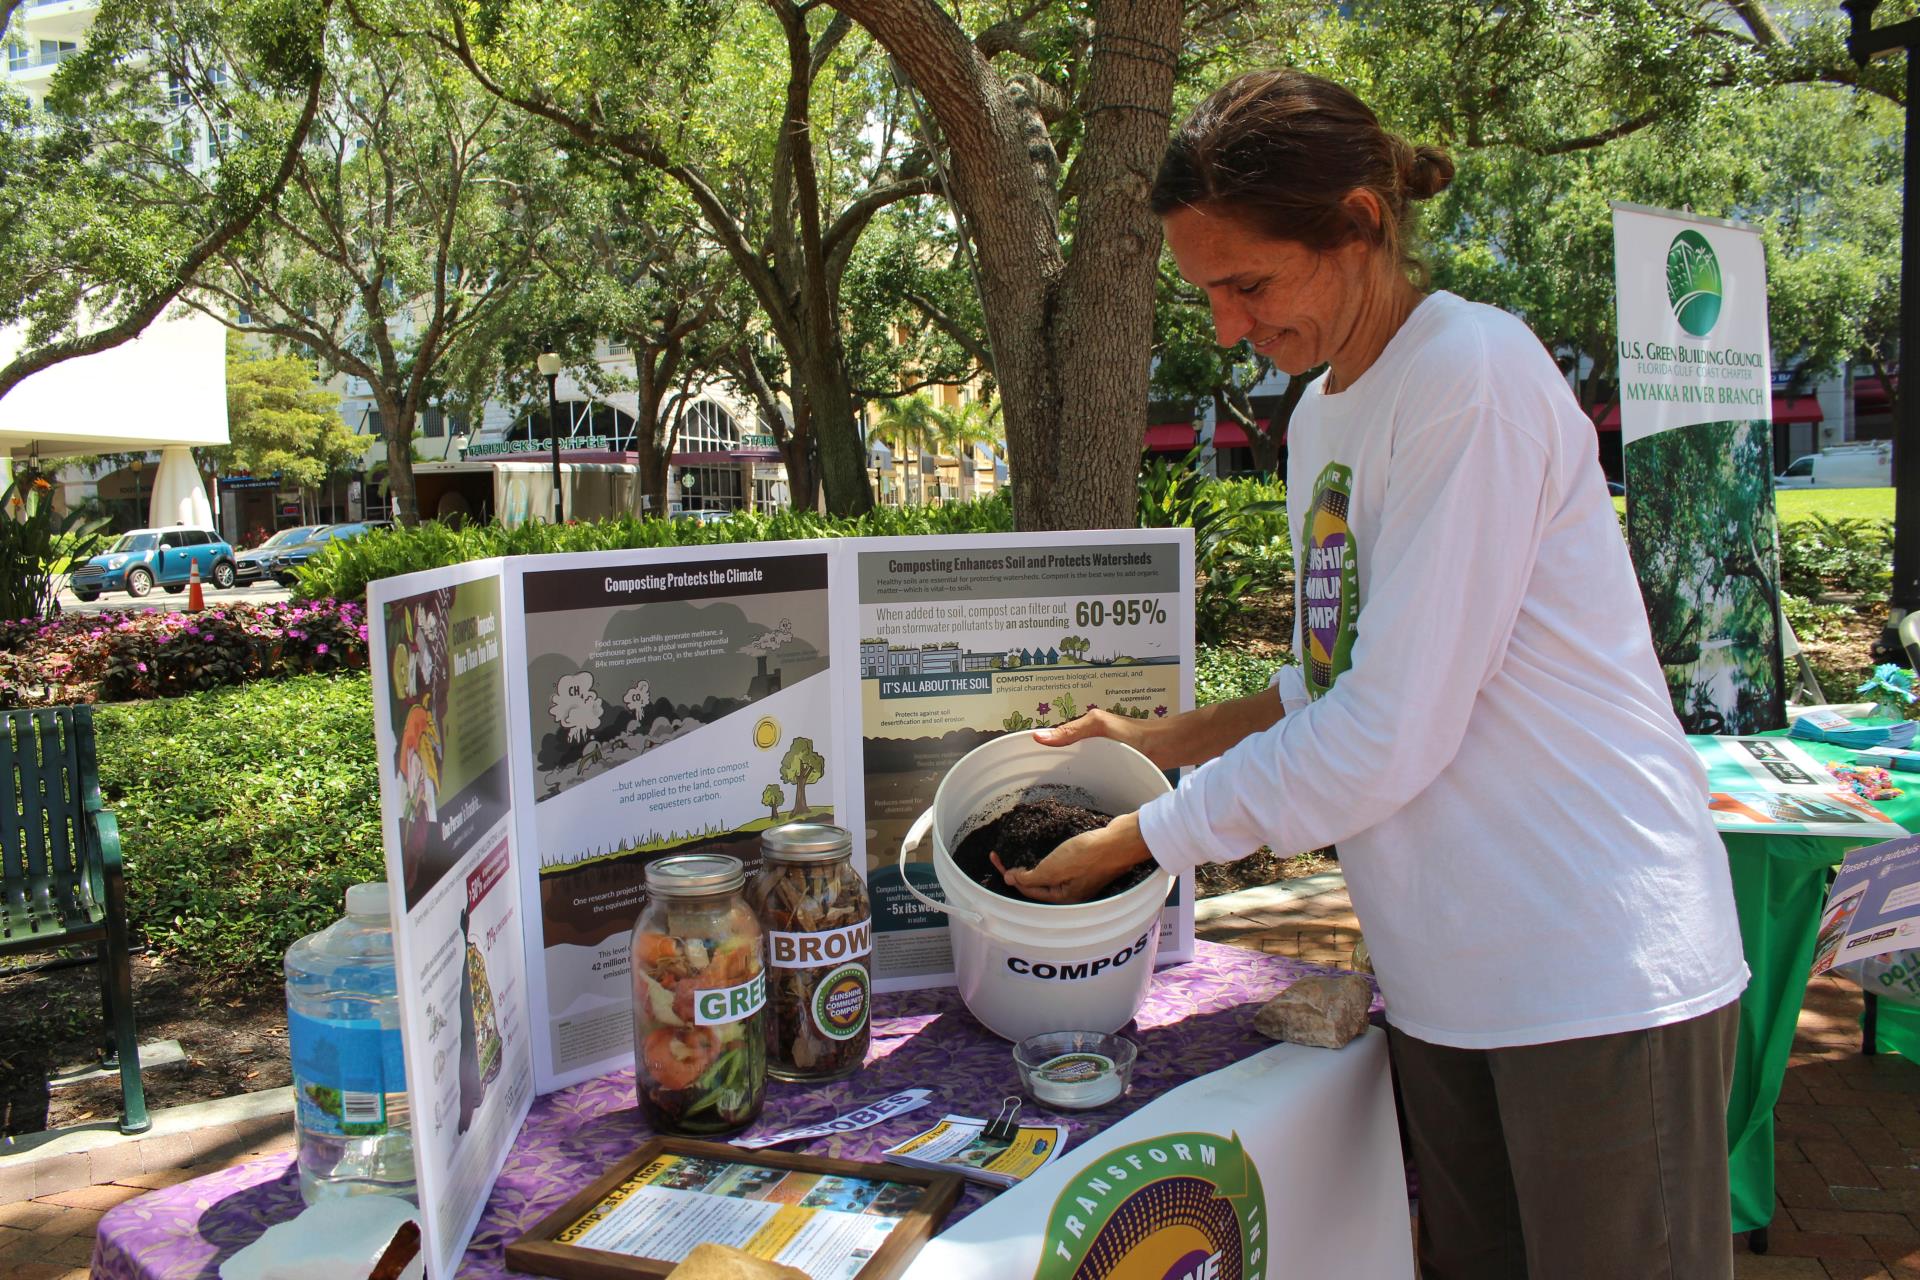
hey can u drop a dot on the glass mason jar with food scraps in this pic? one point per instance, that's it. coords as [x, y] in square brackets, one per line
[813, 907]
[699, 998]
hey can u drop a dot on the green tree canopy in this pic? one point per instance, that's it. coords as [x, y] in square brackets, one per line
[100, 230]
[279, 421]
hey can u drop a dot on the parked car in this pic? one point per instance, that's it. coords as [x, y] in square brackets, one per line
[286, 561]
[1854, 466]
[250, 567]
[142, 559]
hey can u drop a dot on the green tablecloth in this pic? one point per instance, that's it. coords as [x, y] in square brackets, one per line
[1779, 887]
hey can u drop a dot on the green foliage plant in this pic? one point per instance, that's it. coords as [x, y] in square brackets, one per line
[1224, 519]
[35, 544]
[343, 569]
[1846, 555]
[245, 813]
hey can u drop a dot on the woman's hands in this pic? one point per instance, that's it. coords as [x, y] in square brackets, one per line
[1083, 865]
[1156, 740]
[1192, 737]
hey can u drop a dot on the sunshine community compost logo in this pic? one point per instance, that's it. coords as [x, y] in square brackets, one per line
[1330, 588]
[1694, 286]
[1185, 1206]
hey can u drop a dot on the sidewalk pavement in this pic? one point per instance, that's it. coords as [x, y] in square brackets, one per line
[55, 1187]
[1847, 1129]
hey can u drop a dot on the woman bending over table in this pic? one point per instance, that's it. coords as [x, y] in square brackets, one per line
[1478, 721]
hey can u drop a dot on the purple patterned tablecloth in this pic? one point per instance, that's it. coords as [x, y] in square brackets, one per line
[1197, 1018]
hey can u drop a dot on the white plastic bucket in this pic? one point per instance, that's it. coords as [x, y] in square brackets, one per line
[1026, 967]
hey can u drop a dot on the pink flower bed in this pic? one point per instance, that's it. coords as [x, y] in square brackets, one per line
[129, 655]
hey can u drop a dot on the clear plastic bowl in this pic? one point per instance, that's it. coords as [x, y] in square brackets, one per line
[1075, 1070]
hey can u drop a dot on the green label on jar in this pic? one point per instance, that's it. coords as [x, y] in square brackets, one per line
[722, 1005]
[840, 1002]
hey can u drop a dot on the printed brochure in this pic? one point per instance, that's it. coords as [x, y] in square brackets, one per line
[1873, 907]
[958, 1144]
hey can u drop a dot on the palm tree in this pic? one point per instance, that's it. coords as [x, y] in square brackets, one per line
[909, 423]
[974, 423]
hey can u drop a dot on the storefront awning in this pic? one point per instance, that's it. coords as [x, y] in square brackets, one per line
[1169, 437]
[1785, 409]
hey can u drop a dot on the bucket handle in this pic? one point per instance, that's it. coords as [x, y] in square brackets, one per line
[915, 834]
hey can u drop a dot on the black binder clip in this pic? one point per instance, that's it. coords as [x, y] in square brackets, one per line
[1006, 1124]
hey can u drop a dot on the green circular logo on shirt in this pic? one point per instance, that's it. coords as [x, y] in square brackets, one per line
[1693, 283]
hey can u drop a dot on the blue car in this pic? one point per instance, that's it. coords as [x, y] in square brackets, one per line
[139, 561]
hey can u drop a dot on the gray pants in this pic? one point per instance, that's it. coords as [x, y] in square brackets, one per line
[1596, 1159]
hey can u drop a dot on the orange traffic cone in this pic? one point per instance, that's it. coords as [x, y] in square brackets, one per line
[195, 600]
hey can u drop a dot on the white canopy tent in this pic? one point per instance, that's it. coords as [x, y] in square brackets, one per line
[165, 390]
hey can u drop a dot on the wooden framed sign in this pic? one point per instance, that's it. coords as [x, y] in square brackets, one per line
[833, 1219]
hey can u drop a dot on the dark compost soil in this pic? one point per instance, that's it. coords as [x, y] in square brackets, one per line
[1024, 835]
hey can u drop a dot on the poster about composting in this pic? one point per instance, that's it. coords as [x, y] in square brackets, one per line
[962, 639]
[677, 701]
[441, 722]
[1696, 405]
[1874, 906]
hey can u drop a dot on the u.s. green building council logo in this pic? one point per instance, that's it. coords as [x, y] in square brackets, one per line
[1186, 1206]
[1693, 282]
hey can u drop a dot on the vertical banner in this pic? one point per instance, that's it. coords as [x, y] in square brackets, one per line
[440, 720]
[1696, 405]
[674, 701]
[964, 638]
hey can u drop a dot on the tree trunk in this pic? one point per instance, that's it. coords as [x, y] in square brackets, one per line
[840, 453]
[1072, 338]
[396, 421]
[652, 435]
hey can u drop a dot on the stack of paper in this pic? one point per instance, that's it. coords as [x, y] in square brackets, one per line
[1832, 727]
[958, 1144]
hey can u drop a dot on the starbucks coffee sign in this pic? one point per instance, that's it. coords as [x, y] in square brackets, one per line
[1693, 341]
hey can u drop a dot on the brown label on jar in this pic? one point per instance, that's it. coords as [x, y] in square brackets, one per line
[817, 950]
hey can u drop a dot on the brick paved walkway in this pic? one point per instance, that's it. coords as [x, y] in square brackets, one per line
[1848, 1130]
[47, 1233]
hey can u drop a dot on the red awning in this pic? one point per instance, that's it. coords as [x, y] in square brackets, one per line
[1797, 409]
[1176, 437]
[1785, 409]
[1870, 394]
[1231, 435]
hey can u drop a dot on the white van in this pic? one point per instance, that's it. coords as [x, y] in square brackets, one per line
[1847, 466]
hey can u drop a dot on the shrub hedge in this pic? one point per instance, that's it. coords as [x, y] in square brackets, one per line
[245, 812]
[342, 569]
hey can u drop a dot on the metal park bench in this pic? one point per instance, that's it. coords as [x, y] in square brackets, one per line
[60, 874]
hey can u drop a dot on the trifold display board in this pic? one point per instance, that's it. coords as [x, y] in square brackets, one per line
[550, 724]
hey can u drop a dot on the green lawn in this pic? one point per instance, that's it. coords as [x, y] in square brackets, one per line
[1835, 504]
[1863, 504]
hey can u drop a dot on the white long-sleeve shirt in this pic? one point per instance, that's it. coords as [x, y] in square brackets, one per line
[1523, 827]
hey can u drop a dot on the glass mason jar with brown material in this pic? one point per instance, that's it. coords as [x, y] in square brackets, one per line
[813, 907]
[699, 998]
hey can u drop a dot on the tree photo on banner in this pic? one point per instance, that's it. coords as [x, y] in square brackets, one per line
[1695, 417]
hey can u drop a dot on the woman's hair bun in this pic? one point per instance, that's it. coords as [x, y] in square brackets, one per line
[1428, 173]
